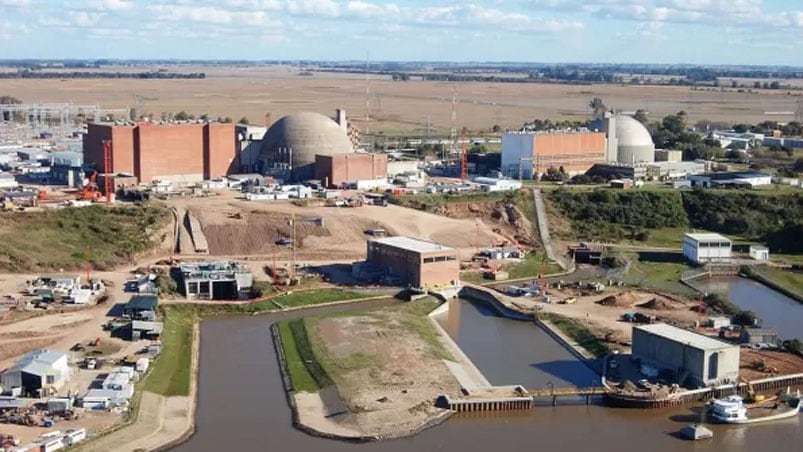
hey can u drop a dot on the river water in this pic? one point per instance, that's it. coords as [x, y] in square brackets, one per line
[777, 311]
[242, 404]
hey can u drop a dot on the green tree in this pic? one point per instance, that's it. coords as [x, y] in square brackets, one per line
[9, 100]
[597, 107]
[641, 116]
[746, 318]
[244, 121]
[798, 165]
[226, 120]
[181, 116]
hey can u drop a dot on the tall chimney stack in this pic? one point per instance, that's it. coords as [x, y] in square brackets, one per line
[341, 118]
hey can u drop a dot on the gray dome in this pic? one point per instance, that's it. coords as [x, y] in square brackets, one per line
[634, 143]
[299, 137]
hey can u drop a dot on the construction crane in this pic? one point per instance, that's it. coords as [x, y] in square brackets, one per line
[463, 155]
[293, 221]
[90, 191]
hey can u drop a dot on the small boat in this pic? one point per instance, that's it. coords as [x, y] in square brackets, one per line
[733, 410]
[695, 432]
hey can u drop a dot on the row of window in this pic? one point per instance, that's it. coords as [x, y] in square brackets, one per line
[429, 260]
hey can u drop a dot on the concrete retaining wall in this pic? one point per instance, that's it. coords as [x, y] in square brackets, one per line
[486, 296]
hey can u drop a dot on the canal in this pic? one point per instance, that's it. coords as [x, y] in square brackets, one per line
[242, 406]
[777, 311]
[512, 352]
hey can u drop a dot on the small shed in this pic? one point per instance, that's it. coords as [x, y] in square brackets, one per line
[758, 336]
[759, 253]
[719, 322]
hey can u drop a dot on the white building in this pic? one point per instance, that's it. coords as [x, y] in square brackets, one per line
[7, 181]
[737, 178]
[38, 372]
[706, 247]
[493, 184]
[759, 253]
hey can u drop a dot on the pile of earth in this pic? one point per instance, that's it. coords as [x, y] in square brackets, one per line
[621, 300]
[657, 304]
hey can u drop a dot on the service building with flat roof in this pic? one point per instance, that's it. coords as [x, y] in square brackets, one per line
[706, 247]
[419, 263]
[692, 359]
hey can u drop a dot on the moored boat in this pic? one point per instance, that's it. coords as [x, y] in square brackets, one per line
[733, 410]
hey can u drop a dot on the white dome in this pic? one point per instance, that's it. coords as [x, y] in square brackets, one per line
[633, 141]
[630, 132]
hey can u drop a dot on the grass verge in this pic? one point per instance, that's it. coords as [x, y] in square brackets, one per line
[298, 365]
[172, 370]
[532, 265]
[579, 333]
[789, 281]
[295, 299]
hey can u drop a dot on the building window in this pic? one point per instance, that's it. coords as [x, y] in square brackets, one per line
[429, 260]
[51, 379]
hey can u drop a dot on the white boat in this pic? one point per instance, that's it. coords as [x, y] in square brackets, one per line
[732, 410]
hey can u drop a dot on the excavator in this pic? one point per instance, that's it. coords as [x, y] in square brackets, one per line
[91, 192]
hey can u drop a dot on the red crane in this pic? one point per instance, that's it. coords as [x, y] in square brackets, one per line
[463, 156]
[107, 171]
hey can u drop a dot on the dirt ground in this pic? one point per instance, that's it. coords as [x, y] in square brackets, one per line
[388, 374]
[342, 236]
[504, 218]
[786, 363]
[255, 91]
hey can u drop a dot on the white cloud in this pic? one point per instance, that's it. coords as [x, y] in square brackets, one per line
[326, 8]
[111, 5]
[207, 14]
[14, 3]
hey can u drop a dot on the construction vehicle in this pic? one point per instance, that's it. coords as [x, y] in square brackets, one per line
[91, 192]
[762, 366]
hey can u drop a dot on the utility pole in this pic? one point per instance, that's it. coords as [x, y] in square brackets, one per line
[453, 130]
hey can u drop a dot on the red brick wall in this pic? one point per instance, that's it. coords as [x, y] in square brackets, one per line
[169, 150]
[219, 150]
[575, 152]
[122, 138]
[350, 167]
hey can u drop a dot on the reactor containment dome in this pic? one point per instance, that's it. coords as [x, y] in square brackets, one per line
[291, 143]
[633, 141]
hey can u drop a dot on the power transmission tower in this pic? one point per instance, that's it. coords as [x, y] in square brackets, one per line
[453, 132]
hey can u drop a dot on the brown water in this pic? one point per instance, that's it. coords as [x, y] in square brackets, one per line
[242, 406]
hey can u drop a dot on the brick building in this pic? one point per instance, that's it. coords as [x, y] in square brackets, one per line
[175, 152]
[333, 170]
[532, 154]
[418, 263]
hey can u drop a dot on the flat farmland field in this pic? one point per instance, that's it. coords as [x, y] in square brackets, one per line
[394, 106]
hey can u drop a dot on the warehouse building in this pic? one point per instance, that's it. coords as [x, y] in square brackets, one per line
[417, 263]
[179, 153]
[337, 169]
[141, 307]
[528, 155]
[706, 247]
[748, 179]
[692, 359]
[38, 373]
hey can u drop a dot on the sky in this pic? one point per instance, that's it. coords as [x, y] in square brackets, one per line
[757, 32]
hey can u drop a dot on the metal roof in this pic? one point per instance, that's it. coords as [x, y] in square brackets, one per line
[760, 332]
[687, 337]
[37, 362]
[412, 244]
[142, 302]
[708, 237]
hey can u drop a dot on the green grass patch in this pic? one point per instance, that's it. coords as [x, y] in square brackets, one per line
[532, 266]
[579, 333]
[295, 299]
[306, 375]
[791, 259]
[660, 271]
[788, 280]
[172, 370]
[58, 239]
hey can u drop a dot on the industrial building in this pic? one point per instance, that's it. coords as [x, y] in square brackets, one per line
[290, 145]
[141, 307]
[690, 358]
[528, 155]
[733, 179]
[179, 153]
[759, 336]
[37, 373]
[495, 184]
[337, 169]
[668, 155]
[215, 280]
[613, 139]
[706, 247]
[418, 263]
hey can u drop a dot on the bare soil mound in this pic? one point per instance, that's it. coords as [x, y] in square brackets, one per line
[658, 304]
[621, 300]
[505, 218]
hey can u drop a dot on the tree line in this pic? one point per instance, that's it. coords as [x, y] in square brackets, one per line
[29, 74]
